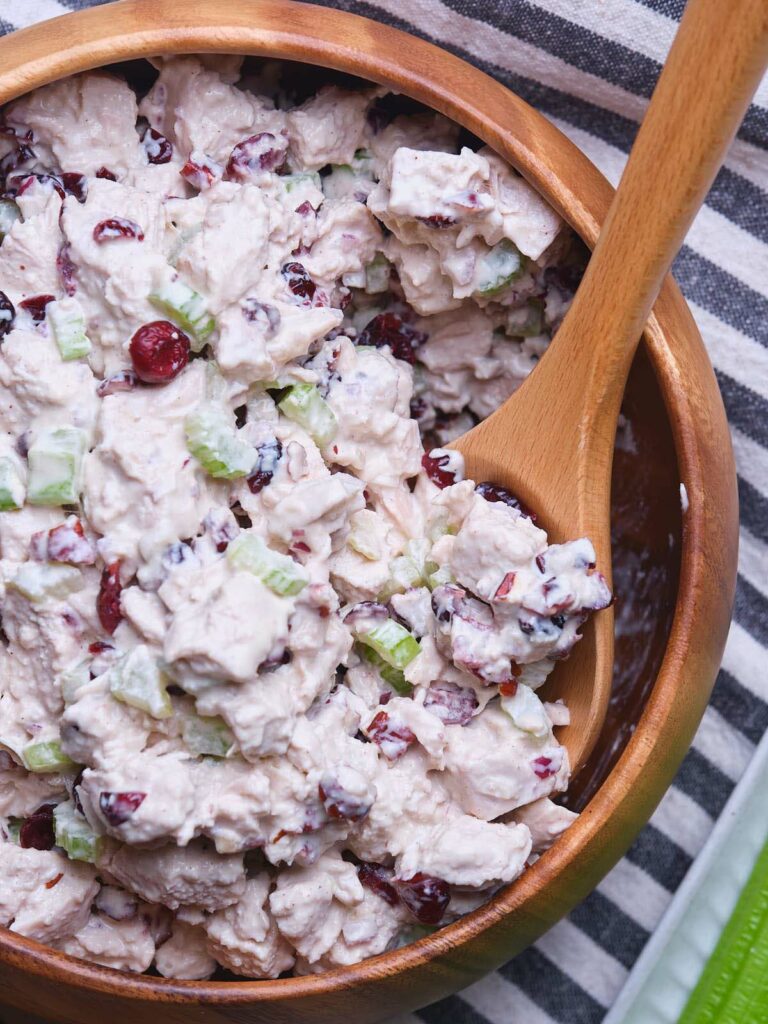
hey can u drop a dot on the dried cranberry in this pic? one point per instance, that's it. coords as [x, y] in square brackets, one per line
[508, 689]
[390, 329]
[55, 182]
[108, 601]
[304, 209]
[68, 543]
[123, 380]
[453, 705]
[281, 657]
[67, 269]
[7, 315]
[22, 154]
[106, 174]
[117, 808]
[75, 787]
[543, 767]
[506, 585]
[266, 317]
[377, 878]
[260, 152]
[158, 149]
[159, 352]
[267, 457]
[339, 803]
[35, 306]
[436, 468]
[117, 227]
[76, 185]
[493, 492]
[37, 831]
[298, 280]
[392, 737]
[438, 220]
[447, 601]
[201, 174]
[426, 896]
[540, 564]
[99, 647]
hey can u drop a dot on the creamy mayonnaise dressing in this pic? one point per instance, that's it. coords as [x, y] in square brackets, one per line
[267, 686]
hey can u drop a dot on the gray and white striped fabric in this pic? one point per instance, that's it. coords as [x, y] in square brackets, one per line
[590, 66]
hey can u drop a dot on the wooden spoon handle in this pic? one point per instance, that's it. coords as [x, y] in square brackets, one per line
[712, 70]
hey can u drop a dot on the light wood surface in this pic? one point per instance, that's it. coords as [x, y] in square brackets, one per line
[41, 981]
[552, 442]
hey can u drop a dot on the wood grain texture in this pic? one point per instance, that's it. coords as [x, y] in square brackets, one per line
[42, 981]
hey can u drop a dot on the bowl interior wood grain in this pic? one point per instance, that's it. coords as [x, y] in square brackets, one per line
[678, 573]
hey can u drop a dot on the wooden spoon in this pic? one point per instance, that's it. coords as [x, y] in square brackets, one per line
[552, 442]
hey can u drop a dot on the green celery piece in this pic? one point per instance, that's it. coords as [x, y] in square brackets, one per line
[67, 320]
[533, 322]
[38, 581]
[733, 987]
[377, 274]
[72, 680]
[46, 757]
[55, 466]
[279, 572]
[393, 676]
[392, 642]
[294, 181]
[305, 405]
[12, 829]
[75, 836]
[499, 268]
[9, 214]
[212, 439]
[12, 490]
[439, 577]
[208, 736]
[186, 308]
[138, 680]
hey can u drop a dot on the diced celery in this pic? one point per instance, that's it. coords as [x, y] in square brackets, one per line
[362, 162]
[75, 836]
[527, 712]
[55, 465]
[377, 274]
[212, 439]
[294, 181]
[12, 830]
[46, 757]
[528, 321]
[67, 320]
[411, 569]
[499, 267]
[12, 490]
[439, 577]
[9, 214]
[392, 642]
[208, 736]
[72, 680]
[186, 308]
[388, 673]
[138, 680]
[305, 405]
[38, 581]
[278, 572]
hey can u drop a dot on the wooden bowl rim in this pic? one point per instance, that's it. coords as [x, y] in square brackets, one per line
[342, 41]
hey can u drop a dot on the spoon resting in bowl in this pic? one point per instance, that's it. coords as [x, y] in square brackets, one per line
[551, 443]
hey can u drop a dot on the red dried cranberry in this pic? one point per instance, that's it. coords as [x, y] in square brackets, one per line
[108, 601]
[506, 585]
[7, 315]
[453, 705]
[159, 352]
[392, 737]
[508, 689]
[76, 185]
[67, 269]
[105, 173]
[268, 456]
[305, 209]
[158, 149]
[281, 657]
[390, 329]
[117, 808]
[339, 803]
[493, 492]
[266, 317]
[298, 280]
[436, 468]
[123, 380]
[35, 306]
[22, 154]
[55, 182]
[377, 878]
[544, 767]
[438, 220]
[426, 896]
[540, 564]
[117, 227]
[37, 832]
[68, 543]
[99, 647]
[201, 174]
[260, 152]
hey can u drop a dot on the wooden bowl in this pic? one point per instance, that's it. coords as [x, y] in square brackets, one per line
[663, 678]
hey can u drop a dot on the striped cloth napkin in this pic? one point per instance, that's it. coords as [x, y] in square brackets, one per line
[590, 66]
